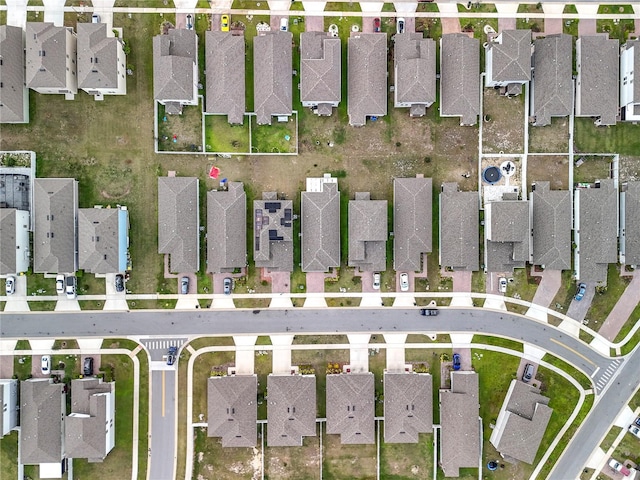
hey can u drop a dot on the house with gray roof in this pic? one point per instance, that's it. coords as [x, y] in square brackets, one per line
[320, 206]
[51, 59]
[10, 405]
[232, 410]
[596, 231]
[507, 234]
[102, 63]
[103, 239]
[551, 226]
[459, 232]
[175, 69]
[14, 96]
[291, 409]
[55, 236]
[272, 76]
[320, 72]
[227, 228]
[368, 233]
[597, 83]
[630, 223]
[43, 408]
[408, 406]
[508, 61]
[412, 234]
[629, 90]
[460, 424]
[179, 222]
[351, 407]
[273, 233]
[367, 82]
[460, 77]
[415, 72]
[14, 241]
[225, 64]
[90, 427]
[521, 423]
[552, 83]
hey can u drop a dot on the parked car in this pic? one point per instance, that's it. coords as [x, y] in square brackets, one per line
[95, 18]
[284, 24]
[71, 287]
[400, 25]
[376, 24]
[376, 281]
[428, 312]
[184, 285]
[10, 285]
[119, 283]
[456, 361]
[634, 430]
[171, 355]
[527, 374]
[502, 285]
[619, 467]
[228, 285]
[224, 23]
[582, 289]
[87, 366]
[45, 365]
[404, 282]
[59, 284]
[637, 422]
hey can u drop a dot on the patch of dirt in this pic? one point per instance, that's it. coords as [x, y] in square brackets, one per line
[552, 138]
[504, 132]
[553, 169]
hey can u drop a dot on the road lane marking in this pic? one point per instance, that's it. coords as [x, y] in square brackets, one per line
[595, 371]
[572, 350]
[163, 393]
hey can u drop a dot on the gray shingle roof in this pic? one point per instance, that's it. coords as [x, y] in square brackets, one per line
[459, 228]
[597, 230]
[97, 57]
[225, 63]
[291, 409]
[98, 240]
[460, 427]
[320, 68]
[507, 232]
[179, 222]
[522, 421]
[273, 233]
[42, 409]
[412, 235]
[368, 233]
[632, 223]
[408, 406]
[551, 225]
[552, 88]
[54, 239]
[321, 229]
[511, 58]
[174, 56]
[635, 45]
[7, 240]
[227, 229]
[272, 75]
[350, 407]
[46, 55]
[460, 77]
[232, 411]
[367, 82]
[597, 85]
[12, 93]
[415, 69]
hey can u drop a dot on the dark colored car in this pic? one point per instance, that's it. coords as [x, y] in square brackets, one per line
[456, 361]
[527, 374]
[119, 283]
[638, 421]
[376, 24]
[171, 355]
[228, 283]
[428, 311]
[87, 367]
[582, 289]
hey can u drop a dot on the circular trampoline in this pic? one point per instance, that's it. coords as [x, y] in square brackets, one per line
[491, 175]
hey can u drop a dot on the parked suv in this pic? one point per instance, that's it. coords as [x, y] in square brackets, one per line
[119, 283]
[184, 285]
[87, 366]
[456, 361]
[228, 284]
[527, 374]
[428, 311]
[71, 287]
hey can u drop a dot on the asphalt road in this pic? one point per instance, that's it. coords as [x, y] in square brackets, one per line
[162, 463]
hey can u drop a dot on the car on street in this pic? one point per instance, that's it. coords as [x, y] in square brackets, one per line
[284, 24]
[59, 284]
[582, 289]
[456, 361]
[224, 23]
[404, 282]
[502, 285]
[10, 285]
[119, 284]
[71, 287]
[228, 284]
[376, 25]
[45, 364]
[87, 366]
[428, 312]
[400, 25]
[634, 430]
[619, 467]
[171, 355]
[184, 285]
[376, 281]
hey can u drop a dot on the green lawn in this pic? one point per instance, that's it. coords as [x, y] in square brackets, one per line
[498, 342]
[603, 302]
[279, 137]
[9, 456]
[225, 138]
[621, 138]
[626, 328]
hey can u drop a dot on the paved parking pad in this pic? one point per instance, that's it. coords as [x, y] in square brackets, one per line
[245, 354]
[281, 353]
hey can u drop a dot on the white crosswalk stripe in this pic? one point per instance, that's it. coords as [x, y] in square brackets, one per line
[601, 383]
[158, 347]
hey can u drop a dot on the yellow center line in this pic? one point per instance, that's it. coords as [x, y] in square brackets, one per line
[572, 350]
[163, 393]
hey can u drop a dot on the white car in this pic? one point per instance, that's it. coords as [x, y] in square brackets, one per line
[376, 281]
[284, 24]
[59, 284]
[10, 285]
[502, 285]
[400, 25]
[71, 287]
[45, 365]
[95, 18]
[404, 282]
[635, 430]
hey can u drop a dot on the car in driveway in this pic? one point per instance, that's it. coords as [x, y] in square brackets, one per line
[429, 312]
[634, 430]
[502, 285]
[527, 373]
[228, 285]
[224, 23]
[619, 467]
[582, 289]
[59, 284]
[87, 366]
[284, 24]
[10, 285]
[376, 281]
[376, 25]
[95, 18]
[456, 361]
[400, 25]
[404, 282]
[184, 285]
[71, 287]
[119, 283]
[171, 355]
[45, 364]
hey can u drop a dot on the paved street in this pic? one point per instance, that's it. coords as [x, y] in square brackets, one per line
[162, 463]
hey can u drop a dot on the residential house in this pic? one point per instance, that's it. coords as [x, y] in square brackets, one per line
[508, 61]
[179, 222]
[596, 231]
[225, 63]
[551, 226]
[597, 84]
[232, 409]
[272, 76]
[14, 241]
[103, 239]
[552, 83]
[415, 72]
[351, 407]
[227, 229]
[460, 424]
[459, 228]
[321, 224]
[102, 63]
[521, 423]
[43, 408]
[10, 407]
[408, 406]
[368, 233]
[51, 59]
[14, 96]
[56, 225]
[320, 72]
[630, 223]
[90, 427]
[367, 82]
[629, 90]
[291, 409]
[273, 233]
[460, 77]
[507, 234]
[412, 235]
[175, 69]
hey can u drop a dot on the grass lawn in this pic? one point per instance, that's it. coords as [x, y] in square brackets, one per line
[611, 436]
[9, 456]
[212, 462]
[185, 129]
[604, 302]
[626, 328]
[621, 138]
[293, 462]
[224, 138]
[347, 462]
[576, 374]
[202, 368]
[498, 342]
[42, 306]
[183, 363]
[565, 294]
[593, 168]
[628, 449]
[400, 461]
[524, 285]
[273, 138]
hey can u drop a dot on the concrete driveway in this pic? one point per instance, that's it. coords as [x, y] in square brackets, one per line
[315, 282]
[17, 13]
[550, 282]
[622, 310]
[280, 282]
[54, 12]
[275, 21]
[18, 301]
[314, 24]
[578, 309]
[104, 9]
